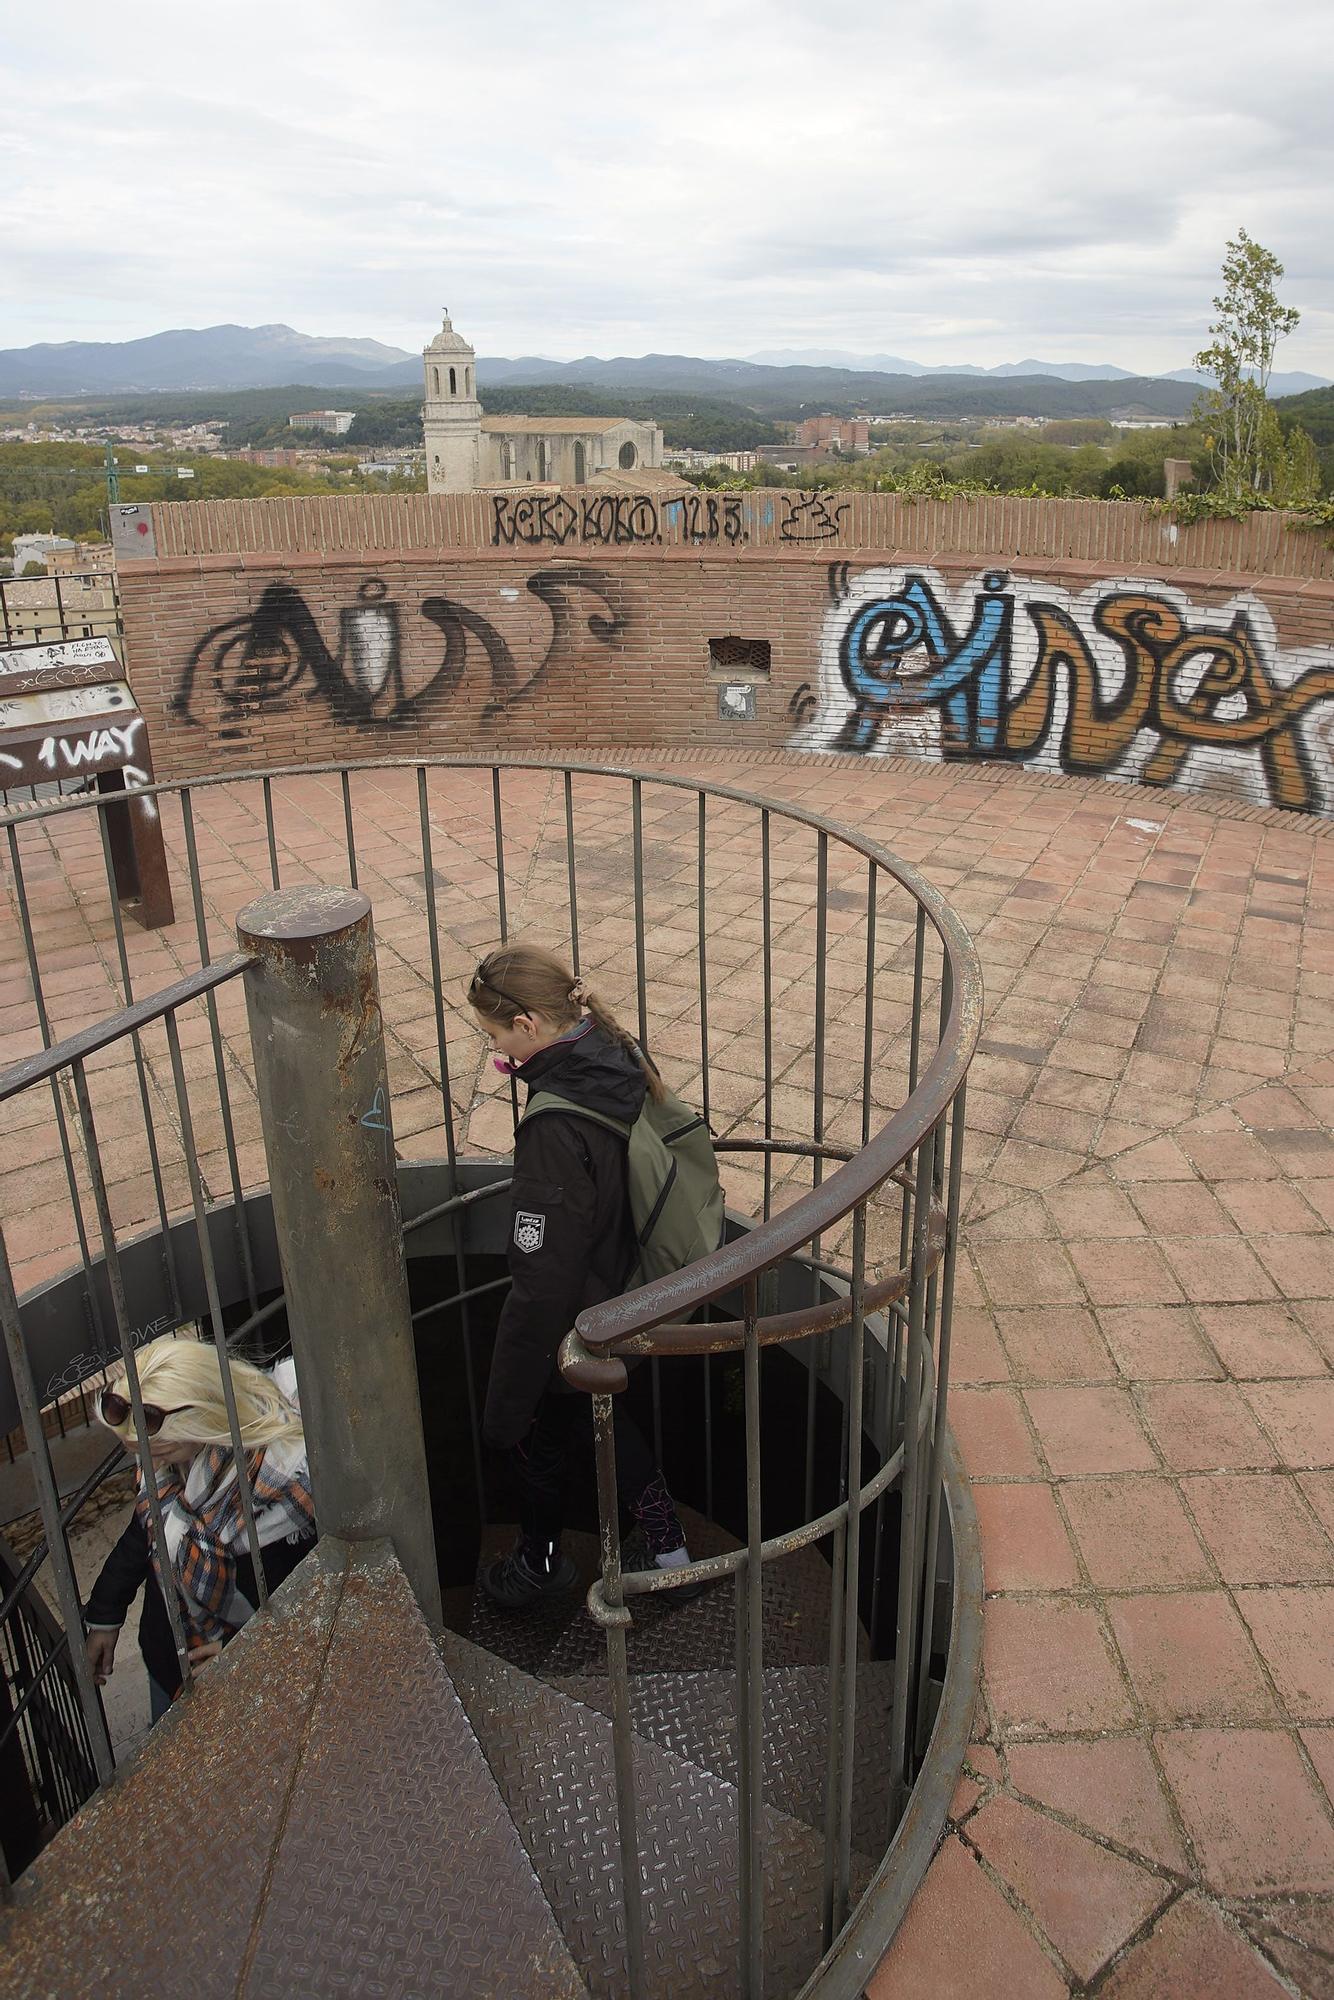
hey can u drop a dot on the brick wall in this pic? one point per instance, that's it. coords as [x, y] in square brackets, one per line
[1084, 636]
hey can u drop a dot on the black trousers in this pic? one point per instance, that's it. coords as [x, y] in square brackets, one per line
[563, 1425]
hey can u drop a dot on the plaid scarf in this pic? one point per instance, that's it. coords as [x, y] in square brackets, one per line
[201, 1513]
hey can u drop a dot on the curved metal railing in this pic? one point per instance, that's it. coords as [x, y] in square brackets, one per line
[915, 958]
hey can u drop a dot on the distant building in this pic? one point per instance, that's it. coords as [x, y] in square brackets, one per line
[1136, 418]
[465, 450]
[336, 421]
[845, 434]
[266, 457]
[40, 549]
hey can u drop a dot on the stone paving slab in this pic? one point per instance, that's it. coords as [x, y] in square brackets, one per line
[1143, 1363]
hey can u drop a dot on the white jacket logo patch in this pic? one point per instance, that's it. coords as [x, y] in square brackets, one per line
[529, 1230]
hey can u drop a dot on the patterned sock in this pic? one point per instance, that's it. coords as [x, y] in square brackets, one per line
[655, 1511]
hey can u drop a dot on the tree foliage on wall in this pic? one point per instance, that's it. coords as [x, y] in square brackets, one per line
[1249, 453]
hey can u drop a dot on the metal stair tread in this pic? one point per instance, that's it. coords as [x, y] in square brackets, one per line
[211, 1778]
[400, 1872]
[694, 1716]
[552, 1758]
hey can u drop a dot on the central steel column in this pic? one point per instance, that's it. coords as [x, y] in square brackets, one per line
[313, 1000]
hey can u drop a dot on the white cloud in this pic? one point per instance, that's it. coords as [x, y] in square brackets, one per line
[967, 181]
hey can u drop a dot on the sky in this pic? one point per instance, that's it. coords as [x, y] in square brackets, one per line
[948, 182]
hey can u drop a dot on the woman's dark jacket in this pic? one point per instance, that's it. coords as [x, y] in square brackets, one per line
[129, 1566]
[571, 1235]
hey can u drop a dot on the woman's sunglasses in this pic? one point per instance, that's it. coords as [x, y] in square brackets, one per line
[117, 1410]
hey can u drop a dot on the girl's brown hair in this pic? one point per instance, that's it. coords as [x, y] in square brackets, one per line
[528, 979]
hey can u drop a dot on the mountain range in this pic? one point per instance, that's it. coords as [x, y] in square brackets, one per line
[1294, 383]
[239, 357]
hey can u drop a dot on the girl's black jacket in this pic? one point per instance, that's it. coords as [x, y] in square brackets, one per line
[571, 1236]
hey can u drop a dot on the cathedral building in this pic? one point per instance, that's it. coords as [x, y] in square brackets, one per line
[466, 451]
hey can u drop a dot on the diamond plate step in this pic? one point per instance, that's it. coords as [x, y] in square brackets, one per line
[694, 1715]
[400, 1872]
[552, 1758]
[212, 1779]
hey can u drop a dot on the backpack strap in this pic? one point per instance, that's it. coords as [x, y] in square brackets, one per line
[550, 1100]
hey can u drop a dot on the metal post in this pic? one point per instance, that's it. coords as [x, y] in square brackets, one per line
[313, 1000]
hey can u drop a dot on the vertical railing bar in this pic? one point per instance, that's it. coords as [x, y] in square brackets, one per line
[141, 1071]
[240, 1218]
[708, 1437]
[817, 1165]
[907, 1219]
[116, 1286]
[243, 1486]
[498, 826]
[348, 828]
[701, 904]
[618, 1675]
[834, 1733]
[852, 1570]
[502, 905]
[752, 1857]
[437, 981]
[451, 1142]
[48, 1499]
[868, 1029]
[637, 811]
[62, 1123]
[570, 872]
[907, 1591]
[271, 835]
[766, 933]
[741, 1668]
[934, 1490]
[60, 607]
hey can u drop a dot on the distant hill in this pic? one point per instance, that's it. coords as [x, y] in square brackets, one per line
[790, 391]
[894, 364]
[212, 357]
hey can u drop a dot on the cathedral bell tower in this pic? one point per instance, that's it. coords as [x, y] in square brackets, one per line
[452, 415]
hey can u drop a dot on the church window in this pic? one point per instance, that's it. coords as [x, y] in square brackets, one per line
[435, 379]
[453, 383]
[627, 457]
[580, 463]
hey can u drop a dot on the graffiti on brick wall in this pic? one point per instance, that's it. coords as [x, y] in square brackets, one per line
[277, 652]
[615, 520]
[1128, 679]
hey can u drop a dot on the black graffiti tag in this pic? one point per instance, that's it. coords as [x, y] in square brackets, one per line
[264, 658]
[810, 518]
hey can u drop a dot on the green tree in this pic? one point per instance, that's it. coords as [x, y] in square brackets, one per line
[1246, 442]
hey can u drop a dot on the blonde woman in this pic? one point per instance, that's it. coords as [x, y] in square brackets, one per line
[212, 1572]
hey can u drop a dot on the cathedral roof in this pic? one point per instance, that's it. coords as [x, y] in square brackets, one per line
[552, 426]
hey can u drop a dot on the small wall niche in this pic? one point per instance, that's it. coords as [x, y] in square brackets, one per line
[735, 659]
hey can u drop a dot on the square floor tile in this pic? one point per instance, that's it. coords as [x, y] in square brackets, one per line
[1124, 1273]
[1251, 1808]
[1087, 1430]
[1134, 1532]
[1299, 1416]
[1190, 1658]
[1257, 1341]
[1218, 1270]
[1055, 1344]
[1204, 1426]
[1048, 1671]
[1024, 1543]
[991, 1432]
[1294, 1630]
[1157, 1343]
[1259, 1528]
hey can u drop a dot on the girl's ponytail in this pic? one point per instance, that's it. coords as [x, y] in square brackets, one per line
[614, 1032]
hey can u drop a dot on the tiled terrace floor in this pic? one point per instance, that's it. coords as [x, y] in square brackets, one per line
[1143, 1372]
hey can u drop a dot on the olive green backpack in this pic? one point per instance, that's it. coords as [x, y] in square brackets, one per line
[675, 1198]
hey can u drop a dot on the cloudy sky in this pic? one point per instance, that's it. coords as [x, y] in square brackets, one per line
[957, 181]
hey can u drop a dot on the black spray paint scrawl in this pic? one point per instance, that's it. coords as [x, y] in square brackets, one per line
[276, 652]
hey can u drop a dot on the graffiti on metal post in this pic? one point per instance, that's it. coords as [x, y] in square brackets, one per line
[278, 651]
[1129, 680]
[615, 520]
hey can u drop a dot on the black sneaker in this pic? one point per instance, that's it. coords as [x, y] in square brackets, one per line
[515, 1585]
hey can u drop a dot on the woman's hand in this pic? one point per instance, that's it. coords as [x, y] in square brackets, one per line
[101, 1650]
[201, 1655]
